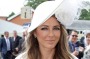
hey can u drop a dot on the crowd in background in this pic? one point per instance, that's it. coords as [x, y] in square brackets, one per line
[77, 46]
[10, 47]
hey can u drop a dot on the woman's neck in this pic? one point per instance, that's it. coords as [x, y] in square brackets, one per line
[47, 53]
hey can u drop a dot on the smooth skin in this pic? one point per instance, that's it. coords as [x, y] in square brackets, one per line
[48, 35]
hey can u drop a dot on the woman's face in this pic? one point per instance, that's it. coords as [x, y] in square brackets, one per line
[88, 39]
[48, 34]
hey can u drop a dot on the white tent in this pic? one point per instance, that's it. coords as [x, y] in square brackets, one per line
[10, 27]
[80, 25]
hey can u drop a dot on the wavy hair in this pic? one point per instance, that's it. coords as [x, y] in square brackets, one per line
[61, 50]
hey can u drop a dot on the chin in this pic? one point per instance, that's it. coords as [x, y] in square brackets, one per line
[50, 46]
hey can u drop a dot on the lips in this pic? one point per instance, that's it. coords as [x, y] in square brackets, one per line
[50, 41]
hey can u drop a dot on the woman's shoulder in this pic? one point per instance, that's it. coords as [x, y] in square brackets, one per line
[74, 57]
[21, 56]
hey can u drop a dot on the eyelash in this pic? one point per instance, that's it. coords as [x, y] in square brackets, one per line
[47, 28]
[43, 28]
[57, 28]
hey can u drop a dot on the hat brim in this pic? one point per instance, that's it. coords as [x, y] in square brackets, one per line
[43, 12]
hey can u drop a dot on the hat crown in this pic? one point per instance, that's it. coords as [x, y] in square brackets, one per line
[64, 10]
[44, 11]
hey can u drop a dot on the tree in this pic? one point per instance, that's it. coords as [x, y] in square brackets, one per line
[85, 15]
[11, 14]
[34, 3]
[85, 12]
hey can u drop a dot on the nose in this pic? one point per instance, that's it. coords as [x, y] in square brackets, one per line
[51, 33]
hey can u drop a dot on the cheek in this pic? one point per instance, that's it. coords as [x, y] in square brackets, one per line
[88, 41]
[41, 35]
[57, 34]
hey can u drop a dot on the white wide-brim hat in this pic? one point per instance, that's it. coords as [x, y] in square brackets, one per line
[64, 10]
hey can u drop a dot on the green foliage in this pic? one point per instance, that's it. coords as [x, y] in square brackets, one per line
[85, 15]
[11, 14]
[34, 3]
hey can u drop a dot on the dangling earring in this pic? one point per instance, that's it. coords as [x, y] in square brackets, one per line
[35, 36]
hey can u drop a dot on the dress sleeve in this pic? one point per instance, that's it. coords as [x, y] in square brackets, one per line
[21, 56]
[74, 56]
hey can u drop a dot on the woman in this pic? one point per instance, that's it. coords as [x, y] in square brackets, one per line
[47, 37]
[88, 38]
[87, 47]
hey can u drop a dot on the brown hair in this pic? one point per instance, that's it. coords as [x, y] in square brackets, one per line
[61, 49]
[88, 34]
[73, 31]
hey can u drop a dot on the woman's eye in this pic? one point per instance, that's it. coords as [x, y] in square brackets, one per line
[56, 28]
[43, 28]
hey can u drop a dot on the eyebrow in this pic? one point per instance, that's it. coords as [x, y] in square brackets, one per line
[48, 26]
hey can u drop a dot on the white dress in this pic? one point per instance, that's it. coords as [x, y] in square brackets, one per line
[87, 53]
[20, 57]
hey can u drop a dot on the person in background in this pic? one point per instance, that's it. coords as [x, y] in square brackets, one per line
[47, 35]
[82, 40]
[75, 47]
[6, 46]
[21, 47]
[87, 47]
[16, 40]
[0, 48]
[2, 36]
[88, 38]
